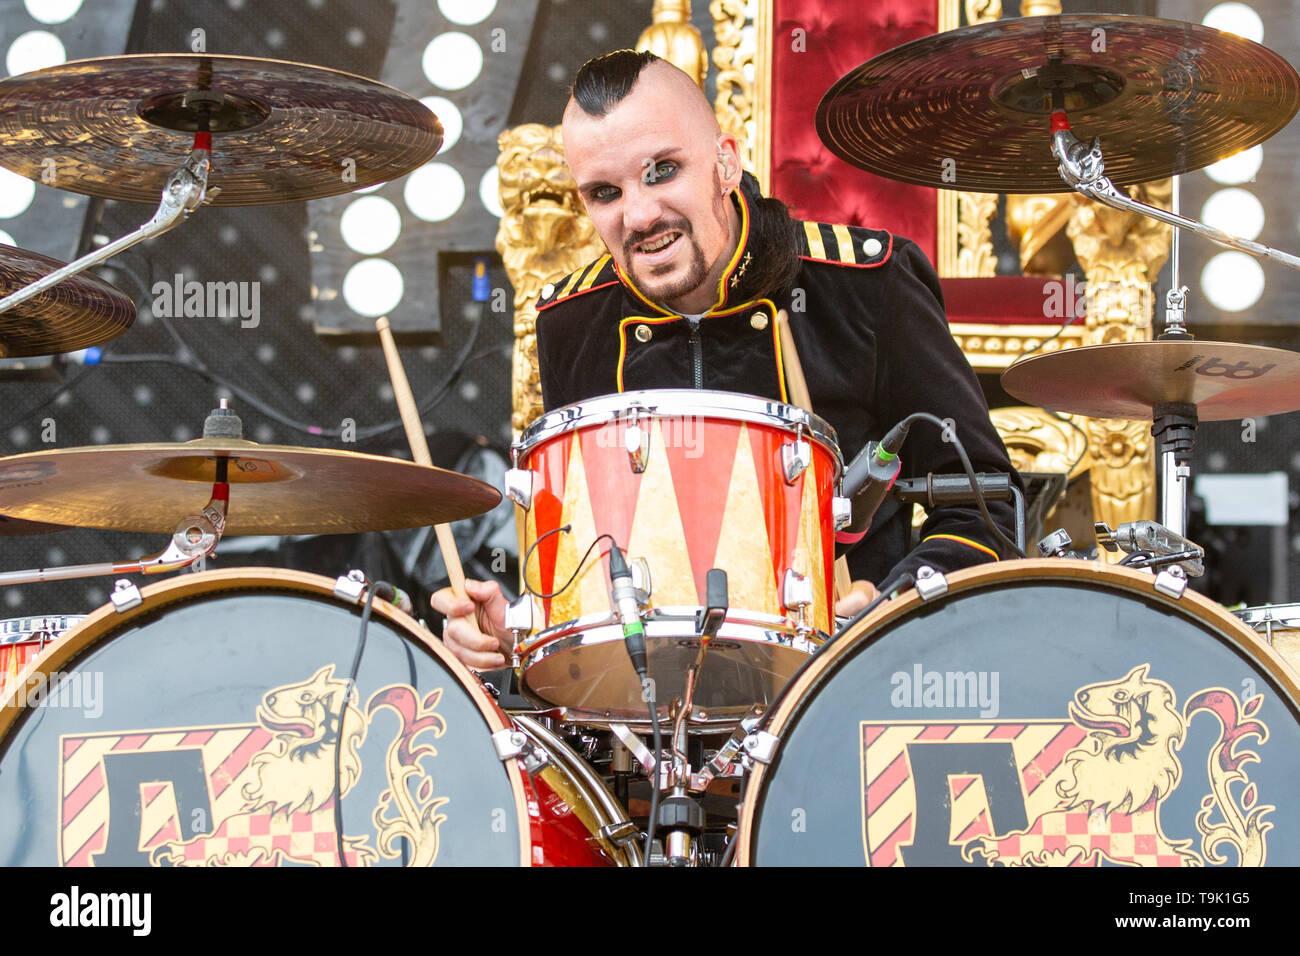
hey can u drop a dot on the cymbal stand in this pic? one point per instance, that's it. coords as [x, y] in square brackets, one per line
[195, 537]
[1083, 167]
[185, 191]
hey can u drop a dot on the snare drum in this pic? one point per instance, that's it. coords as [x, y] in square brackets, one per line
[1279, 624]
[23, 638]
[202, 727]
[683, 481]
[1037, 713]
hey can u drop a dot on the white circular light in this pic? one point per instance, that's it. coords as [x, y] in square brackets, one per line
[16, 194]
[370, 225]
[1235, 211]
[52, 11]
[1232, 281]
[7, 239]
[369, 189]
[373, 287]
[34, 50]
[1235, 18]
[449, 116]
[434, 192]
[466, 12]
[1237, 169]
[489, 191]
[452, 61]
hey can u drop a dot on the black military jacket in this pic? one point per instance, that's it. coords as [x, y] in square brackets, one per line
[867, 316]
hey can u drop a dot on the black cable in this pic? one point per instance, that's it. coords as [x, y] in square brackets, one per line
[560, 590]
[890, 586]
[950, 428]
[343, 713]
[1068, 322]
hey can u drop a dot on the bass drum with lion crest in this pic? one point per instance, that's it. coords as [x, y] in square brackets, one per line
[1036, 713]
[213, 723]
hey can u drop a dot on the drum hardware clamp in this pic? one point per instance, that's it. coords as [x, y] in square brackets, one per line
[515, 743]
[125, 595]
[636, 440]
[519, 487]
[624, 833]
[760, 747]
[635, 746]
[1172, 581]
[796, 456]
[1133, 537]
[930, 583]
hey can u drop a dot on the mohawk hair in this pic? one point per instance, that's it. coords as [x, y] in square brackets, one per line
[603, 81]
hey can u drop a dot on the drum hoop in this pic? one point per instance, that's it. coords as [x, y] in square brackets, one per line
[101, 623]
[1191, 605]
[675, 403]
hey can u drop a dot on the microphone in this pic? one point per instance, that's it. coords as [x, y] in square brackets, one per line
[868, 479]
[623, 596]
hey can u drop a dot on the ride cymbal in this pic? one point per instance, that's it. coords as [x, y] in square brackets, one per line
[117, 127]
[969, 108]
[1129, 379]
[274, 489]
[75, 314]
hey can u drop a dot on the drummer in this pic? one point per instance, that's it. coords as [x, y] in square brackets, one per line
[699, 263]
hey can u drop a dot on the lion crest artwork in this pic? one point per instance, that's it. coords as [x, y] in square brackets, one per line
[287, 793]
[544, 234]
[1114, 781]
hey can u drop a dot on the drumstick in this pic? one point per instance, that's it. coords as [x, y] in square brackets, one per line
[798, 387]
[419, 449]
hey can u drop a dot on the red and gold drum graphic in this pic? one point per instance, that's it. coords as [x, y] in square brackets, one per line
[216, 723]
[1034, 713]
[682, 481]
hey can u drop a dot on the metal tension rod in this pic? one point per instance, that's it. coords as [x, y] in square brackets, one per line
[185, 191]
[1082, 169]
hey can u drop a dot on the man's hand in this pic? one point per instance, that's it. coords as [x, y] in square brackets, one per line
[862, 594]
[476, 629]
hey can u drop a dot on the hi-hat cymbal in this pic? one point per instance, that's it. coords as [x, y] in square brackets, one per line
[1223, 380]
[16, 526]
[969, 108]
[75, 314]
[117, 127]
[274, 489]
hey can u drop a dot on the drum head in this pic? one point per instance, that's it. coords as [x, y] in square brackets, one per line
[1039, 713]
[201, 727]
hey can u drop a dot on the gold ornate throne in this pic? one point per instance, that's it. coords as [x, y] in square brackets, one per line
[544, 233]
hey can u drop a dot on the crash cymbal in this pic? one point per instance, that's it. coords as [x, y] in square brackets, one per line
[76, 314]
[15, 526]
[969, 108]
[274, 489]
[1128, 379]
[117, 127]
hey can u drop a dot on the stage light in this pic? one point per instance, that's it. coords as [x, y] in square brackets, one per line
[1237, 169]
[370, 225]
[1232, 281]
[452, 61]
[52, 11]
[7, 239]
[16, 194]
[34, 50]
[1236, 18]
[373, 287]
[434, 192]
[449, 116]
[489, 191]
[1236, 212]
[466, 12]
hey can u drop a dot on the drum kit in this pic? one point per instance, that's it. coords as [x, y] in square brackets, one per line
[1049, 711]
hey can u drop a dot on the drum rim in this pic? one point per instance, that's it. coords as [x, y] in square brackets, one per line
[743, 407]
[99, 625]
[789, 704]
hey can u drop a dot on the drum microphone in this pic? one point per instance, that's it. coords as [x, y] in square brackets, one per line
[868, 479]
[623, 596]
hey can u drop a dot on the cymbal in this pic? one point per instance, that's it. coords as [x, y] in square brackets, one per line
[1223, 380]
[969, 108]
[16, 526]
[75, 314]
[117, 127]
[274, 489]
